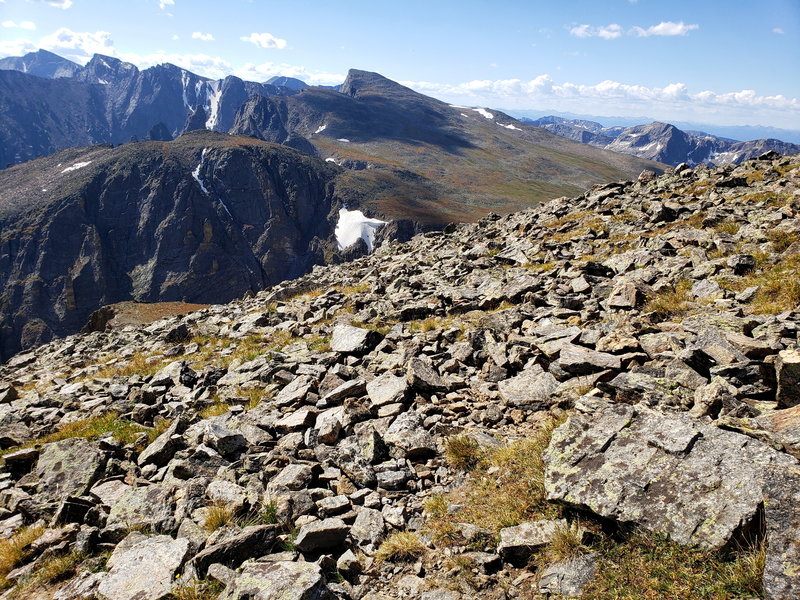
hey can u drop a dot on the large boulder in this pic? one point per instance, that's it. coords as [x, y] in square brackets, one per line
[67, 468]
[699, 484]
[281, 580]
[782, 512]
[143, 567]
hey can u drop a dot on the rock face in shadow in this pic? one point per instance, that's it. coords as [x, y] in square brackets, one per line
[203, 219]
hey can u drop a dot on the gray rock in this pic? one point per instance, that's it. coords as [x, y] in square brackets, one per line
[67, 468]
[709, 399]
[281, 580]
[706, 289]
[532, 387]
[368, 528]
[151, 507]
[422, 375]
[143, 567]
[387, 389]
[696, 483]
[321, 535]
[741, 263]
[293, 477]
[782, 515]
[251, 542]
[568, 578]
[519, 542]
[164, 446]
[295, 392]
[353, 340]
[408, 435]
[225, 441]
[787, 366]
[578, 360]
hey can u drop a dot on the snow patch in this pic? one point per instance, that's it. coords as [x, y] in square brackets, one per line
[331, 159]
[76, 166]
[457, 106]
[343, 140]
[196, 172]
[185, 85]
[320, 129]
[214, 98]
[463, 115]
[510, 126]
[353, 225]
[102, 81]
[484, 113]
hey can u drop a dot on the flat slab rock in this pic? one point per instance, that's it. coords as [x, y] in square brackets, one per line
[67, 468]
[281, 580]
[143, 567]
[782, 515]
[667, 473]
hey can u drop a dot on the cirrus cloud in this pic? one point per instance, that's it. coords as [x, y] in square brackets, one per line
[614, 31]
[264, 40]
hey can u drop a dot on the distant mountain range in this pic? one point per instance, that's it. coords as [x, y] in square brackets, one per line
[211, 215]
[662, 142]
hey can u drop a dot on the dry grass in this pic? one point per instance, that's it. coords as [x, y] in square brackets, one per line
[650, 567]
[403, 546]
[781, 239]
[505, 488]
[218, 515]
[50, 570]
[727, 226]
[214, 410]
[126, 432]
[14, 550]
[778, 283]
[672, 302]
[566, 542]
[462, 452]
[140, 363]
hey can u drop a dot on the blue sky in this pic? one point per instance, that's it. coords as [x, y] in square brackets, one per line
[734, 62]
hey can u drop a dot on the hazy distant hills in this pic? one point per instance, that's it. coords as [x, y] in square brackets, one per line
[663, 142]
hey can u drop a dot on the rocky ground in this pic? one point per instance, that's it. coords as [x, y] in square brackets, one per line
[597, 397]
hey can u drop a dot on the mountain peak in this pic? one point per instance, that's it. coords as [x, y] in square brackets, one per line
[359, 82]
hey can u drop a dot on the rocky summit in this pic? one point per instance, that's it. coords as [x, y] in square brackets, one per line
[595, 398]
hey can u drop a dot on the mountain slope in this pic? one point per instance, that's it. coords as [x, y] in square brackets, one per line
[205, 218]
[41, 64]
[472, 160]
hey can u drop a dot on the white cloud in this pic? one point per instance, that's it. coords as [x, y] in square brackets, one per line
[206, 37]
[162, 4]
[613, 31]
[214, 67]
[672, 101]
[262, 72]
[17, 47]
[665, 28]
[65, 4]
[607, 32]
[175, 37]
[30, 25]
[778, 30]
[78, 45]
[265, 40]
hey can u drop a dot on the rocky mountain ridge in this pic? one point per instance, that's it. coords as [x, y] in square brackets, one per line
[594, 398]
[663, 142]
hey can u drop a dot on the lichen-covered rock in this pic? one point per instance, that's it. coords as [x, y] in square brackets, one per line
[519, 542]
[143, 567]
[278, 581]
[67, 468]
[782, 515]
[353, 340]
[788, 369]
[696, 483]
[321, 535]
[567, 578]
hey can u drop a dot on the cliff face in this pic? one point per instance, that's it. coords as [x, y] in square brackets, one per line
[203, 219]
